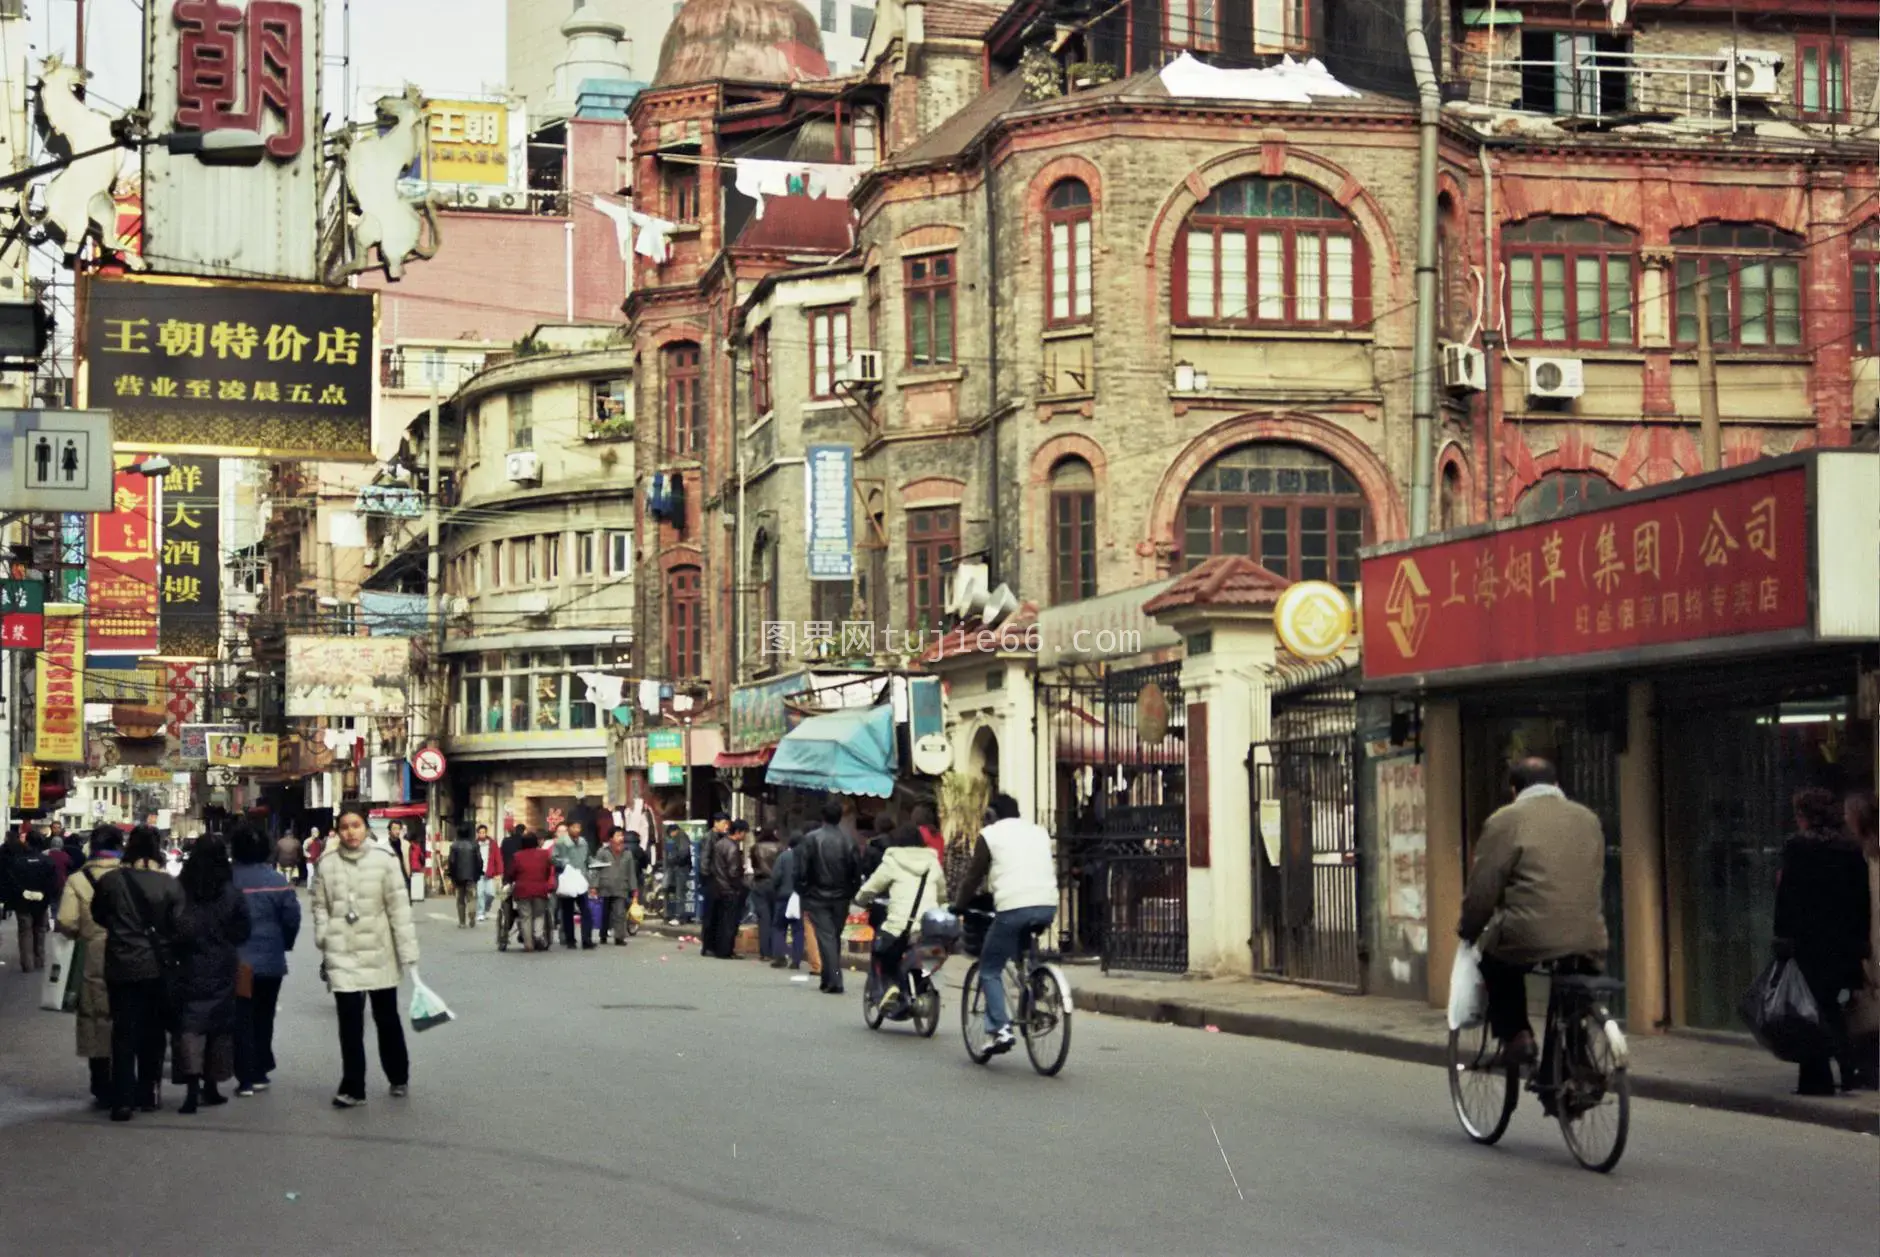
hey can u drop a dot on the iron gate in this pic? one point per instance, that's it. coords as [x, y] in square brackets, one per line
[1115, 797]
[1306, 921]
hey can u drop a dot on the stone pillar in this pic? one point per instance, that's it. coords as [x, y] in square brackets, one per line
[1641, 855]
[1223, 681]
[1443, 814]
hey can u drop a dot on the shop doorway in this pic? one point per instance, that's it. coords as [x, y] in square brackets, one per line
[1731, 766]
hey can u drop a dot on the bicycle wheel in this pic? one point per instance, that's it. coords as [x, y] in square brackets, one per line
[1592, 1091]
[1483, 1091]
[973, 1019]
[1047, 1023]
[871, 1001]
[927, 1012]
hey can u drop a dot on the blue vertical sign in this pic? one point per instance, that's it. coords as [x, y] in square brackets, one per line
[829, 495]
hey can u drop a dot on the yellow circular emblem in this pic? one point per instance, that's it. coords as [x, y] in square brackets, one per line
[1313, 619]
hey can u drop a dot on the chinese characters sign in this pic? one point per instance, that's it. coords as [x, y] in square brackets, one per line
[192, 569]
[59, 719]
[244, 750]
[122, 587]
[758, 716]
[22, 614]
[1721, 561]
[242, 72]
[467, 141]
[829, 492]
[239, 370]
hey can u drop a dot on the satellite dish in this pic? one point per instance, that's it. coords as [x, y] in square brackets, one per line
[971, 588]
[998, 605]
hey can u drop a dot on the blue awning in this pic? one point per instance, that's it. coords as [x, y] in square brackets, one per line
[844, 752]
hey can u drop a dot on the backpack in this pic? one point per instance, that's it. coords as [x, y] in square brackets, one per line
[35, 877]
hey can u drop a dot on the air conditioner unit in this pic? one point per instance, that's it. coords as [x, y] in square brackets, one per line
[371, 557]
[1750, 74]
[1465, 369]
[970, 591]
[472, 198]
[457, 604]
[511, 199]
[244, 603]
[532, 604]
[1555, 378]
[523, 467]
[863, 367]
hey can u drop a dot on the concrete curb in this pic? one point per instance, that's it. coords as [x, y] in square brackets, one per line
[1418, 1052]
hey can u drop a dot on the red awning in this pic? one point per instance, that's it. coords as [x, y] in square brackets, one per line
[400, 811]
[744, 759]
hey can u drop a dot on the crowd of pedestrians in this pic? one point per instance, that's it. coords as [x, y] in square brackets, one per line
[569, 885]
[190, 963]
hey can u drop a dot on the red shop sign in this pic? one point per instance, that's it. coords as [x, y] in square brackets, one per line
[1722, 561]
[123, 568]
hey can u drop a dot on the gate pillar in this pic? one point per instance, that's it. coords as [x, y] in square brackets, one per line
[1223, 674]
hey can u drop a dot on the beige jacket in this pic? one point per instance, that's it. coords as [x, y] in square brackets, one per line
[1535, 891]
[899, 880]
[75, 921]
[367, 953]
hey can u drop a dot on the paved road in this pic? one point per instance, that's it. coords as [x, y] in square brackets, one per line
[647, 1100]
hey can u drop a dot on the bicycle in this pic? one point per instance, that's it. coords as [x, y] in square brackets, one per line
[1582, 1078]
[1043, 1015]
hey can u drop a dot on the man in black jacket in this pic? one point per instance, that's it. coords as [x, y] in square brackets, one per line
[33, 891]
[828, 874]
[726, 887]
[466, 870]
[140, 906]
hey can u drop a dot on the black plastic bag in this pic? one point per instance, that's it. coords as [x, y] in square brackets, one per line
[1781, 1012]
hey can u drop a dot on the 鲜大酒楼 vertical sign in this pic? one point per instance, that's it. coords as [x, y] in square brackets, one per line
[191, 553]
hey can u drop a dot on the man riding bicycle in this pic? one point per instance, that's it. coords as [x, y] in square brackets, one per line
[1012, 860]
[1534, 895]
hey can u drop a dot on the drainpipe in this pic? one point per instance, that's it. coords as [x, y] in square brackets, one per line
[567, 250]
[1491, 337]
[992, 364]
[1423, 396]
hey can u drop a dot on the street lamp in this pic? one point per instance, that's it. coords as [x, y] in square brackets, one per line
[212, 148]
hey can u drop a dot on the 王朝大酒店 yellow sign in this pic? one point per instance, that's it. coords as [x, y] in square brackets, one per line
[244, 750]
[59, 717]
[467, 141]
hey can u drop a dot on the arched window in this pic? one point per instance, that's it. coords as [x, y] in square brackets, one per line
[1293, 509]
[1755, 277]
[1455, 510]
[1867, 289]
[1270, 252]
[685, 401]
[1067, 252]
[1073, 531]
[685, 625]
[1570, 282]
[1558, 492]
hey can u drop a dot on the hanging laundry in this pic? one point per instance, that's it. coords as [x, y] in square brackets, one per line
[759, 177]
[639, 233]
[604, 691]
[649, 697]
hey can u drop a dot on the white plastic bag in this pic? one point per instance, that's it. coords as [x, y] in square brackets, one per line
[59, 950]
[1468, 994]
[427, 1009]
[572, 884]
[793, 911]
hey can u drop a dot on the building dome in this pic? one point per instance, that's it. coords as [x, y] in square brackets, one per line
[765, 41]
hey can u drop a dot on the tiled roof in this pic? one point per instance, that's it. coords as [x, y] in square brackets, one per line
[802, 224]
[951, 137]
[1228, 580]
[963, 19]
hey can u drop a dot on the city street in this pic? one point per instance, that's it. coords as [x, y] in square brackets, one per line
[647, 1100]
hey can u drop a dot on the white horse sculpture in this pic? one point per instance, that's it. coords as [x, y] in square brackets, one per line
[78, 200]
[386, 219]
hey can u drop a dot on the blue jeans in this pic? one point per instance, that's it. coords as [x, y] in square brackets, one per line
[1004, 940]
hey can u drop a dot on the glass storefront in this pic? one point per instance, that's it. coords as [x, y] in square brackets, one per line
[1731, 764]
[522, 691]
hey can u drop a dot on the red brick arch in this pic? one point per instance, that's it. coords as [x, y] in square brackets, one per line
[1038, 484]
[1452, 455]
[928, 490]
[1056, 171]
[1381, 497]
[1275, 161]
[679, 333]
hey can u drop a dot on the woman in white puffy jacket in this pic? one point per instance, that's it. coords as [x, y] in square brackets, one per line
[910, 881]
[362, 924]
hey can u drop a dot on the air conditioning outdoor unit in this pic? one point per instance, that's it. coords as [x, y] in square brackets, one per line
[1555, 378]
[457, 604]
[511, 200]
[1750, 74]
[371, 557]
[523, 467]
[1465, 370]
[863, 367]
[532, 604]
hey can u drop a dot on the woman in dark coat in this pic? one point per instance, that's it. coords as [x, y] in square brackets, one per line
[1822, 923]
[212, 927]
